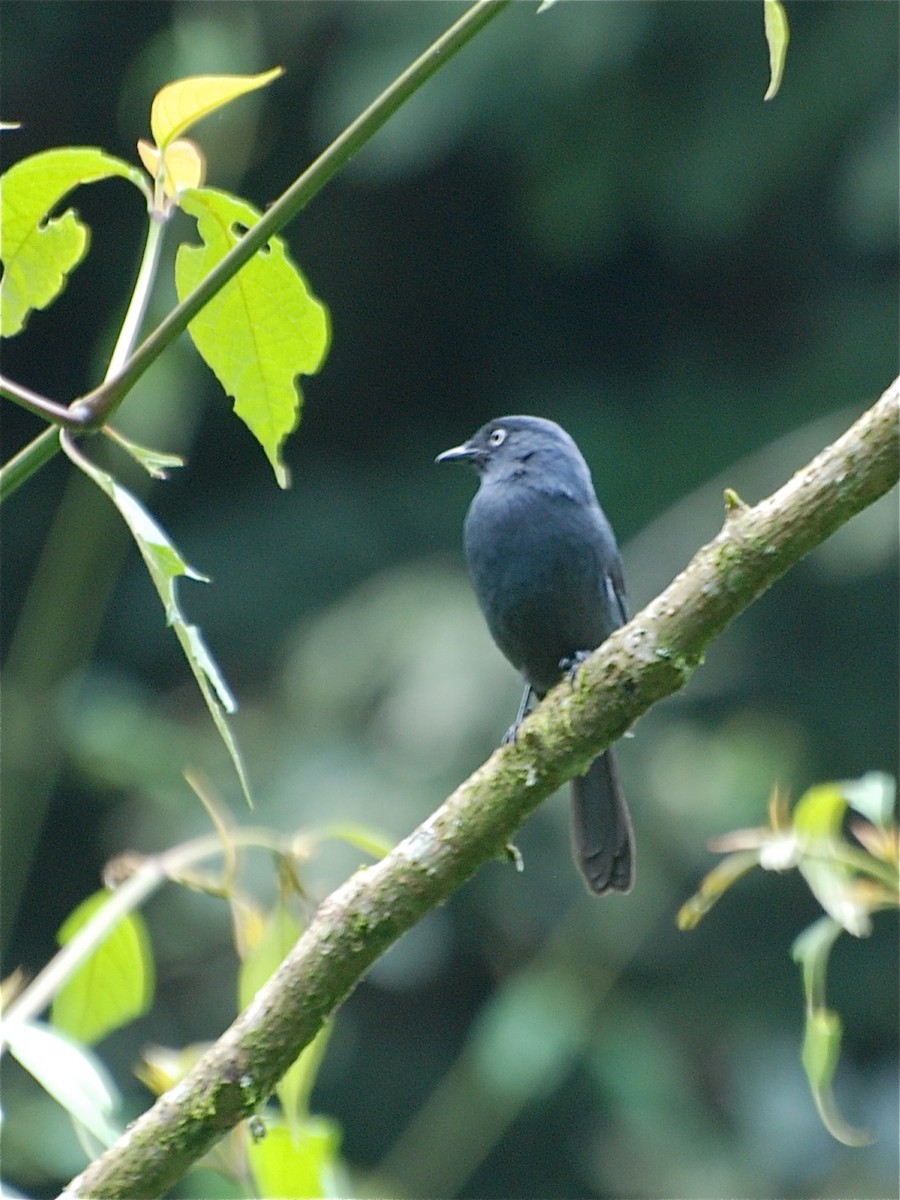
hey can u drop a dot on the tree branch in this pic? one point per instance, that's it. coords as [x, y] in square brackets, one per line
[651, 657]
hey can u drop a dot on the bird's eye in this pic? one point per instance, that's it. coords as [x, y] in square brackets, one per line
[498, 437]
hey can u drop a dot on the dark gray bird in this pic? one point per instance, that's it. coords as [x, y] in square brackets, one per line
[548, 577]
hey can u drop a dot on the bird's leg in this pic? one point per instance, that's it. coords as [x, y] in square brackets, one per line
[510, 735]
[572, 662]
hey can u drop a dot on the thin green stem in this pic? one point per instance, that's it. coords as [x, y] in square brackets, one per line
[28, 460]
[103, 401]
[41, 406]
[140, 298]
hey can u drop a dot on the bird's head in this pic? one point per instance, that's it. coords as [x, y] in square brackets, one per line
[522, 447]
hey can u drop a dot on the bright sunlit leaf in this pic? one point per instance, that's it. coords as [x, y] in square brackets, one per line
[39, 250]
[166, 565]
[185, 165]
[777, 35]
[114, 985]
[262, 330]
[179, 105]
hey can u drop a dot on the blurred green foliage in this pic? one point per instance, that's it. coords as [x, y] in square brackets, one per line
[590, 215]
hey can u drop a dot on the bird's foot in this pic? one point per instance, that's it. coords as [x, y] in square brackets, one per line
[511, 734]
[572, 662]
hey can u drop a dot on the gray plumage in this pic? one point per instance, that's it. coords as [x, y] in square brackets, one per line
[548, 577]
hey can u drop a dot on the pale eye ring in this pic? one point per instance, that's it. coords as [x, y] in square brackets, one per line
[498, 437]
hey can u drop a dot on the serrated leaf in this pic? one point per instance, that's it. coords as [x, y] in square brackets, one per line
[179, 105]
[306, 1167]
[166, 566]
[40, 251]
[778, 35]
[70, 1074]
[262, 330]
[111, 987]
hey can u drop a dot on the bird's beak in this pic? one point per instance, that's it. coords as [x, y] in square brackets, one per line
[463, 453]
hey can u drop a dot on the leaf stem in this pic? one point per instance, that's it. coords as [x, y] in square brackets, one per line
[42, 406]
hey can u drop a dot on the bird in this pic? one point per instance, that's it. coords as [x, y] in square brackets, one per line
[548, 578]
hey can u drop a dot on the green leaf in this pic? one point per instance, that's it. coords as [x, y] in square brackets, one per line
[166, 566]
[817, 820]
[811, 949]
[262, 330]
[39, 251]
[821, 1050]
[111, 987]
[179, 105]
[823, 1032]
[778, 35]
[70, 1074]
[278, 937]
[308, 1167]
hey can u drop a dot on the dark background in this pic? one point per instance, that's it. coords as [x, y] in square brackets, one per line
[590, 215]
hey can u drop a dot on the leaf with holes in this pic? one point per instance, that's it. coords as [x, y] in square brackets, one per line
[39, 251]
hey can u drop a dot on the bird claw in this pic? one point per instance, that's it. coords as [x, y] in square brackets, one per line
[509, 738]
[572, 662]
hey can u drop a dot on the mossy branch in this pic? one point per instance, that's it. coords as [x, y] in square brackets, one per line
[651, 657]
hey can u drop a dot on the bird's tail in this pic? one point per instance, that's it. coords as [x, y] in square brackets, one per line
[602, 837]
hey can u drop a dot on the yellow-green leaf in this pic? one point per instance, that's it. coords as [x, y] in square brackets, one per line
[179, 105]
[114, 985]
[39, 250]
[777, 35]
[307, 1167]
[262, 330]
[821, 1050]
[182, 164]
